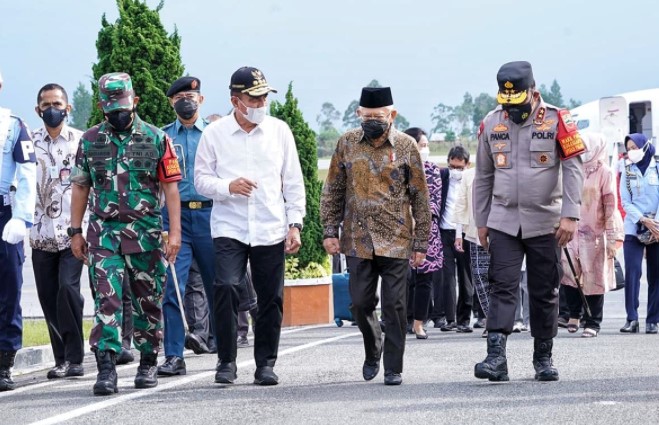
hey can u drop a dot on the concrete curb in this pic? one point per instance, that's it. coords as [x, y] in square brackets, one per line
[33, 359]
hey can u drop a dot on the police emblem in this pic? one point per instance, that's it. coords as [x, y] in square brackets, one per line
[499, 128]
[501, 160]
[508, 85]
[543, 158]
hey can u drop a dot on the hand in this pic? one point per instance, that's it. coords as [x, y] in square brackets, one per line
[293, 242]
[652, 226]
[418, 258]
[611, 249]
[331, 246]
[565, 231]
[458, 245]
[172, 245]
[482, 237]
[242, 186]
[79, 248]
[15, 231]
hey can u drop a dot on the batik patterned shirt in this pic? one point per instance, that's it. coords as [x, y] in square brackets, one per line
[380, 194]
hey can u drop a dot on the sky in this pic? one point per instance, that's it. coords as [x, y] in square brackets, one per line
[427, 51]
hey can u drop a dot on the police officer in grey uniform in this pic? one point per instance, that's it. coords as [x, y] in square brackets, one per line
[527, 196]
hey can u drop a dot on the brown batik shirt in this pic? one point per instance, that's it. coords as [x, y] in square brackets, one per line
[379, 194]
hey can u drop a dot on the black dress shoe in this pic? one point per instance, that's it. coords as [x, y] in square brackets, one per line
[59, 371]
[173, 365]
[75, 369]
[392, 378]
[480, 324]
[196, 344]
[264, 375]
[631, 326]
[440, 322]
[125, 356]
[463, 329]
[450, 326]
[651, 328]
[370, 369]
[562, 322]
[226, 372]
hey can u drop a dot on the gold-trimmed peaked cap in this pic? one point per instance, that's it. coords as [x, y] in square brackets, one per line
[251, 81]
[514, 79]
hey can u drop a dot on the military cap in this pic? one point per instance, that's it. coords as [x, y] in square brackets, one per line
[116, 91]
[184, 84]
[251, 81]
[376, 97]
[514, 79]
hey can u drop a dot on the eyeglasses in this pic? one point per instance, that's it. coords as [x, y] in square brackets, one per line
[378, 117]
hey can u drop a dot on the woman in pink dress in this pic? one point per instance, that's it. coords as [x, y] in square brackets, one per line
[594, 247]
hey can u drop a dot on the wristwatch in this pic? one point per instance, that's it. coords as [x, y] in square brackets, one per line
[71, 231]
[298, 226]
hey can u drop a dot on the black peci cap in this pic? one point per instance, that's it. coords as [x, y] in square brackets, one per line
[376, 97]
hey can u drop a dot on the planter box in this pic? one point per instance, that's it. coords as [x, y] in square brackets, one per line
[308, 301]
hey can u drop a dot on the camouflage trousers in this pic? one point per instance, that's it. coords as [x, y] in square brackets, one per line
[146, 272]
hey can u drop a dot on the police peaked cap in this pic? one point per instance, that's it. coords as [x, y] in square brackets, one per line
[184, 84]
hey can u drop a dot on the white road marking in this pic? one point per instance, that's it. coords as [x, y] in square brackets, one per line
[162, 387]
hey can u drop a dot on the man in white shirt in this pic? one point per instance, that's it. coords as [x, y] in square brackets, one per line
[247, 163]
[56, 271]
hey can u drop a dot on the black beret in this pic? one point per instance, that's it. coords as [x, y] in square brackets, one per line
[184, 84]
[376, 97]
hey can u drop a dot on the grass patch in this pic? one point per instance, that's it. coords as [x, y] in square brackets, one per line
[35, 331]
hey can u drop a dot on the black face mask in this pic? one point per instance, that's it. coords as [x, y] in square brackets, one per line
[186, 108]
[120, 120]
[374, 128]
[53, 117]
[518, 113]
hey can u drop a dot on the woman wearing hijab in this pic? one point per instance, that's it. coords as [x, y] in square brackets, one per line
[594, 246]
[639, 190]
[421, 277]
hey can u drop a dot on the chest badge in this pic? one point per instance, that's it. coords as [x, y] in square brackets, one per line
[500, 128]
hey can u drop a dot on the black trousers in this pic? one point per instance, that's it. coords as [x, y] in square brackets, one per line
[364, 275]
[267, 267]
[418, 295]
[543, 267]
[197, 312]
[57, 278]
[575, 303]
[455, 310]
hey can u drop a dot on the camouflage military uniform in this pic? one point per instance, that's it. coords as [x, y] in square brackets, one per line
[124, 233]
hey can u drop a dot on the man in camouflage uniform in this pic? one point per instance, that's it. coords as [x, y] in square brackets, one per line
[127, 162]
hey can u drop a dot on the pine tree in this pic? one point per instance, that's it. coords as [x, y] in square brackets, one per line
[82, 107]
[138, 44]
[305, 140]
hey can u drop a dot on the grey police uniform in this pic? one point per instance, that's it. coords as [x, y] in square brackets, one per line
[521, 190]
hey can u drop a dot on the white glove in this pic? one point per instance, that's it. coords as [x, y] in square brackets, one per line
[15, 231]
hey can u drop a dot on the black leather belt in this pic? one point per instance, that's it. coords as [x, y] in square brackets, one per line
[196, 205]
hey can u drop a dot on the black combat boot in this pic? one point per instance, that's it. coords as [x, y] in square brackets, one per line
[495, 365]
[6, 363]
[106, 380]
[544, 366]
[147, 371]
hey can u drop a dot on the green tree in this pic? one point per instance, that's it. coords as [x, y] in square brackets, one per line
[82, 107]
[464, 114]
[573, 103]
[442, 116]
[138, 44]
[483, 104]
[327, 117]
[552, 95]
[401, 122]
[450, 136]
[305, 140]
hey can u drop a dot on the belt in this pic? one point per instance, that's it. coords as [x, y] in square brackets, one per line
[4, 199]
[196, 205]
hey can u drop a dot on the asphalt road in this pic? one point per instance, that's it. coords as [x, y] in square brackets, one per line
[611, 379]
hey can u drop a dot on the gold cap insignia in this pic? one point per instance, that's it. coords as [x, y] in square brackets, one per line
[508, 85]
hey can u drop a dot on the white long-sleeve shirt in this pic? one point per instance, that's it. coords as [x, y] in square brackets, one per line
[268, 156]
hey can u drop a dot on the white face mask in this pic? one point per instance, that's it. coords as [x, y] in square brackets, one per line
[636, 155]
[254, 115]
[425, 153]
[455, 174]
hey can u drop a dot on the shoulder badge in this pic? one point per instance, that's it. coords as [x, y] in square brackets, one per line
[569, 140]
[540, 116]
